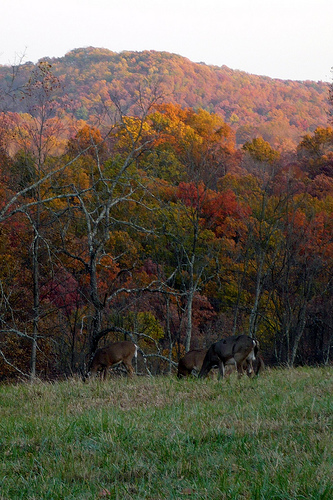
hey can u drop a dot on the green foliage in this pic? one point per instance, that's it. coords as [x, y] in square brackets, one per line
[23, 170]
[162, 163]
[261, 150]
[144, 322]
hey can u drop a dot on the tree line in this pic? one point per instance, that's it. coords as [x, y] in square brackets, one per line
[154, 226]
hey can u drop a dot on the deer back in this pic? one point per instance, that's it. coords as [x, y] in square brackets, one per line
[191, 361]
[238, 347]
[113, 354]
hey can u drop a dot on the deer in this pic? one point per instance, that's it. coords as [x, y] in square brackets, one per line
[251, 367]
[112, 355]
[234, 350]
[192, 360]
[258, 364]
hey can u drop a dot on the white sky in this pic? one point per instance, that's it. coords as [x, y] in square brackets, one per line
[288, 39]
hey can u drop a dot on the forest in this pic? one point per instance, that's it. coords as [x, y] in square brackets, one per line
[137, 217]
[279, 111]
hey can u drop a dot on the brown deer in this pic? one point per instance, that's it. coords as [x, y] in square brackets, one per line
[191, 361]
[234, 350]
[258, 364]
[251, 367]
[112, 355]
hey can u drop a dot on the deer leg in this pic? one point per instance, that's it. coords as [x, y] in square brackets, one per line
[205, 369]
[240, 370]
[104, 372]
[249, 367]
[129, 368]
[221, 368]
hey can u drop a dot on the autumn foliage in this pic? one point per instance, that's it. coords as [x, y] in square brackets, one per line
[161, 225]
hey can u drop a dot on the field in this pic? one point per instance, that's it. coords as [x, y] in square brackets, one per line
[161, 438]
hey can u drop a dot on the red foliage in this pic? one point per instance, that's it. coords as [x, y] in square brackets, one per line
[213, 207]
[63, 292]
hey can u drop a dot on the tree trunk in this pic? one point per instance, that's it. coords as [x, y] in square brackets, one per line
[254, 311]
[35, 275]
[299, 333]
[189, 321]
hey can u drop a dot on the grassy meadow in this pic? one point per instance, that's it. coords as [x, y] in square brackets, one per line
[163, 438]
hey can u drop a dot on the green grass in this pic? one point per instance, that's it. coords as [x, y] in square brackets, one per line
[161, 438]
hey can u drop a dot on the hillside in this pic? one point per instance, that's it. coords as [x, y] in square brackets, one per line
[281, 111]
[158, 228]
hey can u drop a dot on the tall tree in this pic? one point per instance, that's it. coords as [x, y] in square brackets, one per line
[35, 132]
[34, 136]
[113, 188]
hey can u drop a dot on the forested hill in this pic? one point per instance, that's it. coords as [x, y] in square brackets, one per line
[281, 111]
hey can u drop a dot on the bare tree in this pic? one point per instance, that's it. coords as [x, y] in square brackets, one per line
[114, 187]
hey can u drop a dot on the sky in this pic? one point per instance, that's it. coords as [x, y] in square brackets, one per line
[286, 39]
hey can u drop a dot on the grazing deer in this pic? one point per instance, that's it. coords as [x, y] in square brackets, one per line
[258, 364]
[251, 367]
[112, 355]
[230, 351]
[191, 361]
[254, 362]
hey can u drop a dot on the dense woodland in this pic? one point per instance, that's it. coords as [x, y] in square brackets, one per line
[279, 111]
[130, 209]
